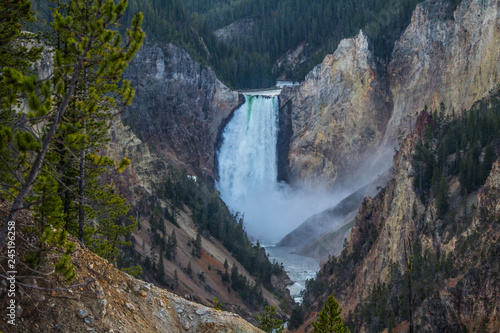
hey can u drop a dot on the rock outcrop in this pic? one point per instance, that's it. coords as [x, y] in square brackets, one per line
[383, 228]
[104, 299]
[338, 115]
[179, 106]
[236, 30]
[446, 55]
[351, 106]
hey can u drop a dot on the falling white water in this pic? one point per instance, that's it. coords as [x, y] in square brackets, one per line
[248, 174]
[247, 158]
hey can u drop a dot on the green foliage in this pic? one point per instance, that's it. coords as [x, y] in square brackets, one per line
[50, 152]
[452, 146]
[14, 17]
[268, 321]
[171, 248]
[278, 26]
[442, 196]
[106, 237]
[135, 271]
[197, 246]
[217, 304]
[329, 319]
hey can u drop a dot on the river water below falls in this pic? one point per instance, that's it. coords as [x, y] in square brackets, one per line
[298, 268]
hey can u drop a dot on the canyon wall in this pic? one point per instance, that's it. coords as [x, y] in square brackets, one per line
[338, 113]
[179, 106]
[383, 228]
[350, 110]
[446, 56]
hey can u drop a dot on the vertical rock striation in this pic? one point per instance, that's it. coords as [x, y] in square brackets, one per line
[446, 55]
[351, 106]
[179, 106]
[338, 113]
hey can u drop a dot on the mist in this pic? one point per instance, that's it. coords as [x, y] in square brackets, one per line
[247, 161]
[271, 212]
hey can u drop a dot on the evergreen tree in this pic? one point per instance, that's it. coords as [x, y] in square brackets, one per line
[197, 245]
[160, 276]
[329, 319]
[268, 321]
[171, 246]
[14, 16]
[89, 58]
[442, 196]
[176, 280]
[488, 160]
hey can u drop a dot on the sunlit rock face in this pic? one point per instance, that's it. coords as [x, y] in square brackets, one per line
[351, 106]
[338, 113]
[446, 55]
[179, 106]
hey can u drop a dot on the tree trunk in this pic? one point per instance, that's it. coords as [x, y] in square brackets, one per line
[39, 160]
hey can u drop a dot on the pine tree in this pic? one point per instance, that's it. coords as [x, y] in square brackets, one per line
[442, 196]
[90, 57]
[329, 319]
[171, 251]
[268, 322]
[488, 160]
[160, 276]
[197, 245]
[14, 16]
[176, 280]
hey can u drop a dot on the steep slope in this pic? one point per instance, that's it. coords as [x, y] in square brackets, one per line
[446, 55]
[351, 109]
[158, 195]
[332, 218]
[170, 137]
[104, 299]
[338, 113]
[179, 106]
[454, 270]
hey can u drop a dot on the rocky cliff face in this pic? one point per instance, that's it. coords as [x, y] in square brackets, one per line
[375, 254]
[179, 106]
[349, 106]
[338, 113]
[446, 55]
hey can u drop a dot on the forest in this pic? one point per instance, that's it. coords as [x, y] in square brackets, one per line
[250, 61]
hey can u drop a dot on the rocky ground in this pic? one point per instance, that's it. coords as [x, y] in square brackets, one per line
[105, 299]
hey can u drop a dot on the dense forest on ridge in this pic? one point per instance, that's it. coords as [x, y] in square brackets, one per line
[249, 61]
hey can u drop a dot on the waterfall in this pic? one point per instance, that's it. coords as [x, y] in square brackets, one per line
[248, 169]
[247, 156]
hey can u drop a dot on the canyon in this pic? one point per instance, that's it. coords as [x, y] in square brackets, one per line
[351, 128]
[339, 127]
